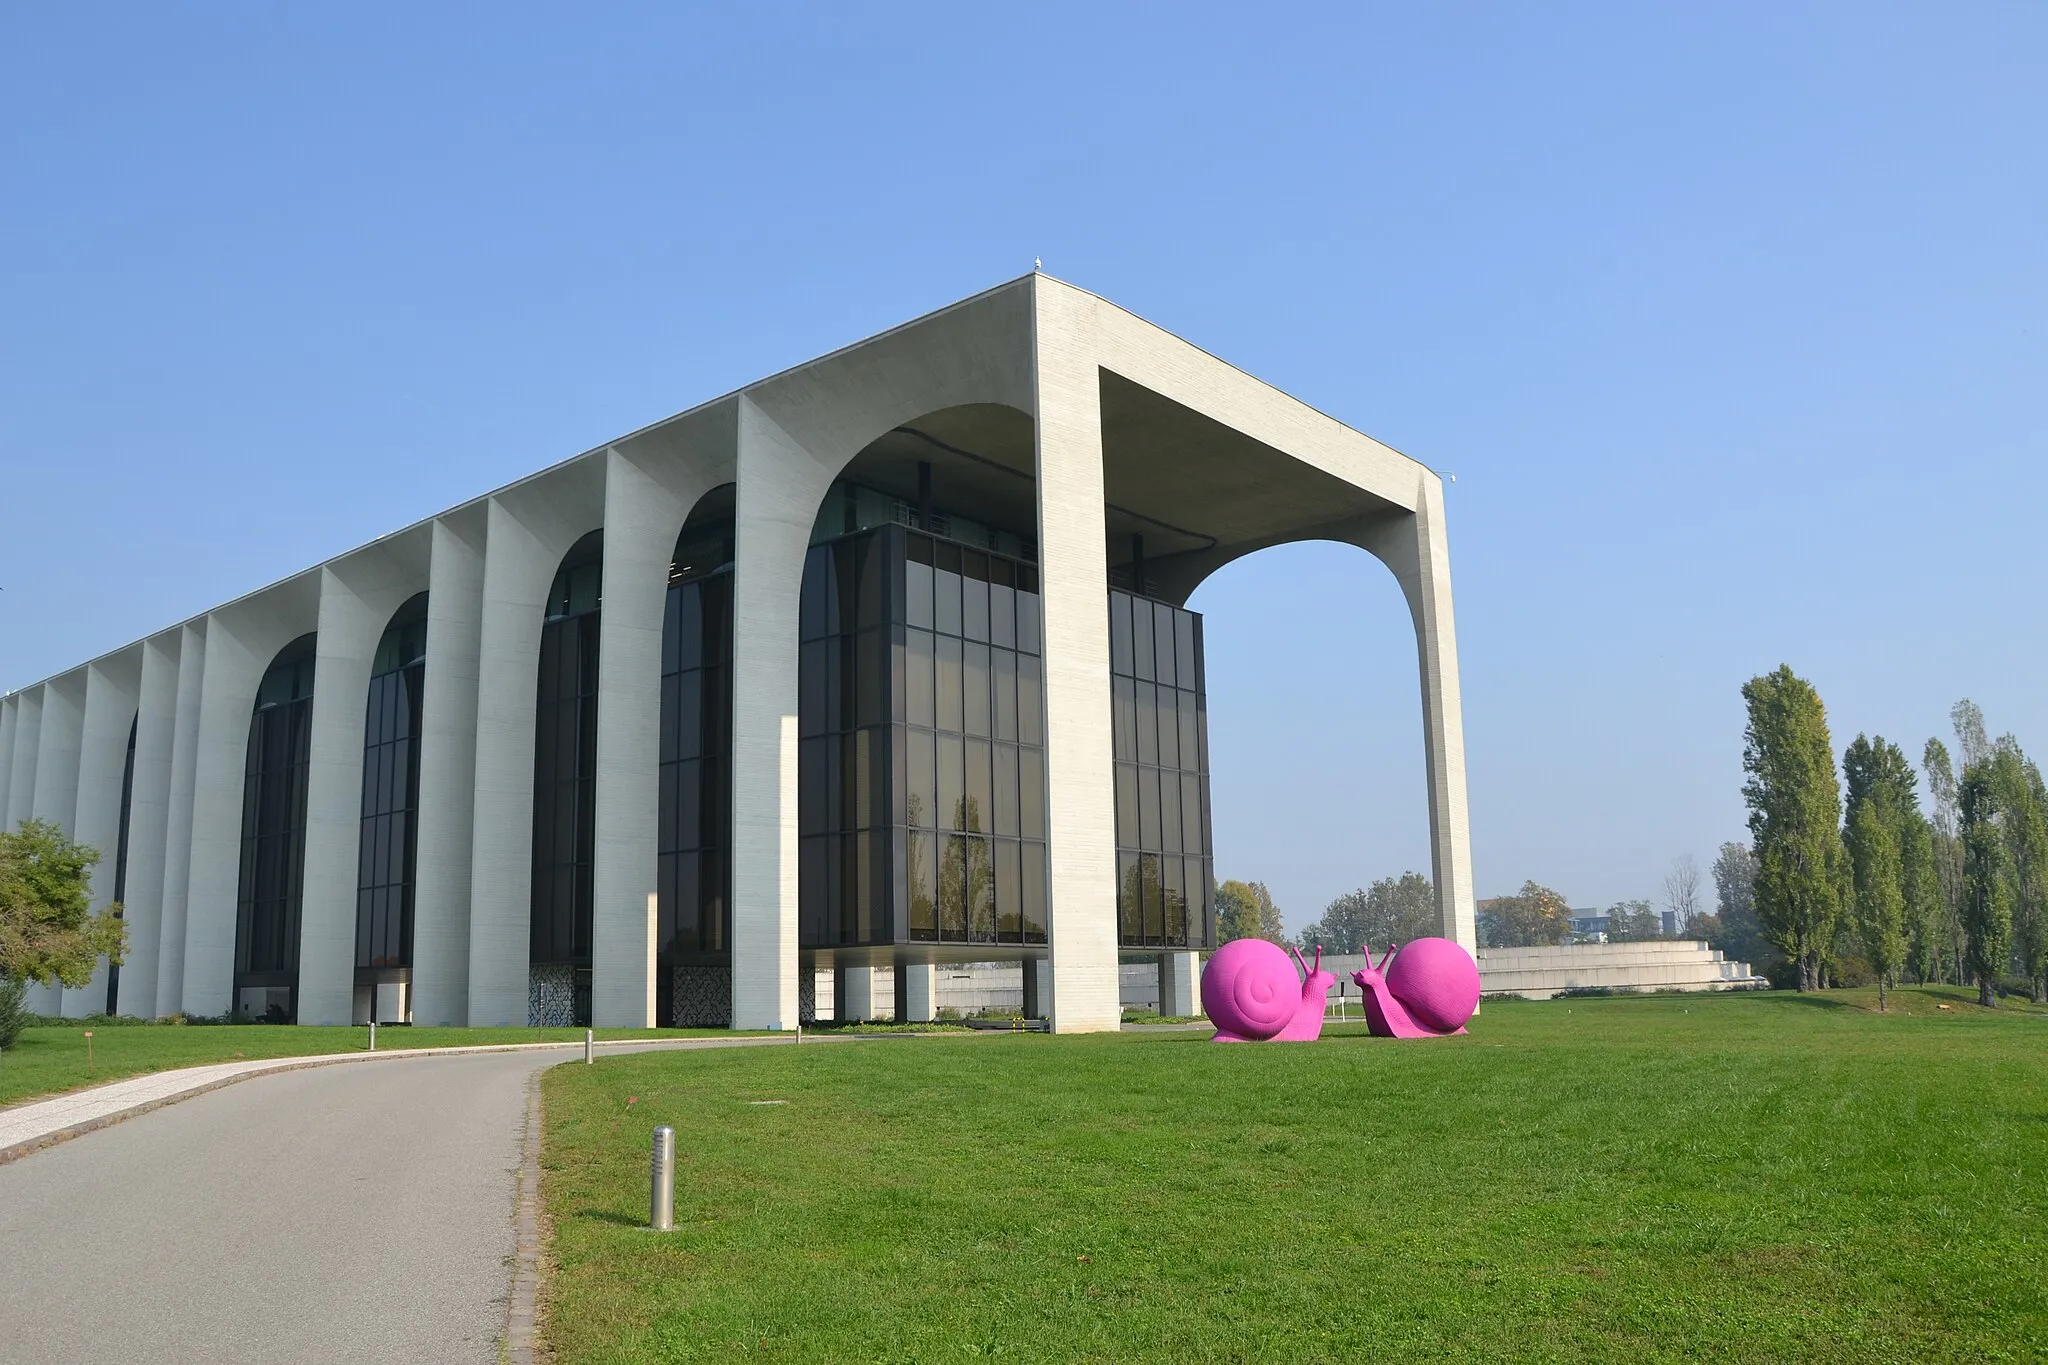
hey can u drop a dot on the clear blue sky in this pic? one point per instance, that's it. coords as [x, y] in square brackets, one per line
[1732, 324]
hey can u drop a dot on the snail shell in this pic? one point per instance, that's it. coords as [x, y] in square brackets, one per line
[1250, 988]
[1437, 981]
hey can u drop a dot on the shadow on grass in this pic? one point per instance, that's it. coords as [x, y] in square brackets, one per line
[615, 1219]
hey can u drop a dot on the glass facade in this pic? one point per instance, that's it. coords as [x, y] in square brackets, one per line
[1160, 724]
[694, 825]
[922, 760]
[565, 770]
[391, 790]
[274, 838]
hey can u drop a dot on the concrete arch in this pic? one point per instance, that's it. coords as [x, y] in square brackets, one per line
[112, 695]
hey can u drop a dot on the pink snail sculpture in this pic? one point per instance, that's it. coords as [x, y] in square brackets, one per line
[1431, 989]
[1251, 993]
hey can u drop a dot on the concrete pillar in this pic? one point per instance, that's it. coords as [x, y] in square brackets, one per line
[148, 815]
[111, 691]
[55, 799]
[1074, 581]
[1417, 549]
[241, 641]
[1179, 984]
[170, 973]
[528, 530]
[447, 759]
[645, 502]
[917, 992]
[1037, 988]
[853, 993]
[780, 487]
[21, 785]
[10, 718]
[357, 598]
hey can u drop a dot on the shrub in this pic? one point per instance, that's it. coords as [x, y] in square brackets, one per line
[14, 1017]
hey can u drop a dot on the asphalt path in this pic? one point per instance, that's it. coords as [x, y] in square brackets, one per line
[361, 1212]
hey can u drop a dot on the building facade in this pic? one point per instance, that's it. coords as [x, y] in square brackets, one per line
[882, 661]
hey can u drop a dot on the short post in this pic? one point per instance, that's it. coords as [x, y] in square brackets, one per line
[589, 1046]
[88, 1049]
[373, 1035]
[661, 1203]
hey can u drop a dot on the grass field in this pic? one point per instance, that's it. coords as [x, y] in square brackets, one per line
[50, 1060]
[1649, 1178]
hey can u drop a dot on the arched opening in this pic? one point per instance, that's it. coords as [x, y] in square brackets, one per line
[693, 937]
[121, 860]
[388, 853]
[274, 838]
[921, 760]
[565, 790]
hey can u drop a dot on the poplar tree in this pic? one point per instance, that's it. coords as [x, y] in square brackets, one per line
[1948, 848]
[1873, 840]
[1987, 885]
[1926, 914]
[1795, 809]
[2026, 840]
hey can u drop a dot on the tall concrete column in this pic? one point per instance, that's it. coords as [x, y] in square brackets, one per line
[357, 598]
[917, 992]
[241, 641]
[853, 993]
[10, 718]
[148, 814]
[780, 487]
[447, 759]
[28, 727]
[1179, 991]
[645, 502]
[1038, 988]
[111, 692]
[529, 529]
[1074, 583]
[1417, 549]
[170, 972]
[56, 791]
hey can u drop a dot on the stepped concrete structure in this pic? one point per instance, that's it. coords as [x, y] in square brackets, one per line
[882, 661]
[1654, 965]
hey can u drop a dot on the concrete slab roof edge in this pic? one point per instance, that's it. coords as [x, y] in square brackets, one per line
[171, 630]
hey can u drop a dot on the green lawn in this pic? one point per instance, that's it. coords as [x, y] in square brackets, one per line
[49, 1060]
[1647, 1178]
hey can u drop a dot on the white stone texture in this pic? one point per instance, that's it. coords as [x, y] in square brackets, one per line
[148, 815]
[242, 640]
[21, 784]
[112, 687]
[853, 993]
[447, 759]
[917, 996]
[170, 976]
[358, 595]
[531, 526]
[1180, 976]
[10, 718]
[56, 791]
[647, 496]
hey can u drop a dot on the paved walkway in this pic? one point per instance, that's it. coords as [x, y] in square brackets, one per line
[315, 1212]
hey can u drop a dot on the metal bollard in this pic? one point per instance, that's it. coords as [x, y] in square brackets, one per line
[661, 1203]
[373, 1035]
[589, 1046]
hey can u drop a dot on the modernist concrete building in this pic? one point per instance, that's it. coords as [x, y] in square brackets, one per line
[882, 659]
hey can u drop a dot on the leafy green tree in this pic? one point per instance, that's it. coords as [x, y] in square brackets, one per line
[1739, 936]
[48, 932]
[1948, 849]
[1926, 915]
[1795, 809]
[1532, 917]
[1873, 840]
[1633, 921]
[1987, 880]
[1391, 910]
[2025, 824]
[1246, 910]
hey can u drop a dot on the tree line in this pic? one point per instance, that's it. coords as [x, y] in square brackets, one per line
[1850, 871]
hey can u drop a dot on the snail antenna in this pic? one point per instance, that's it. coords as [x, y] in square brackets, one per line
[1389, 957]
[1319, 957]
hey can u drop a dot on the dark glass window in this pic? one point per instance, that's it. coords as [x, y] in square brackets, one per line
[121, 859]
[694, 824]
[1158, 718]
[565, 768]
[274, 838]
[921, 796]
[387, 854]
